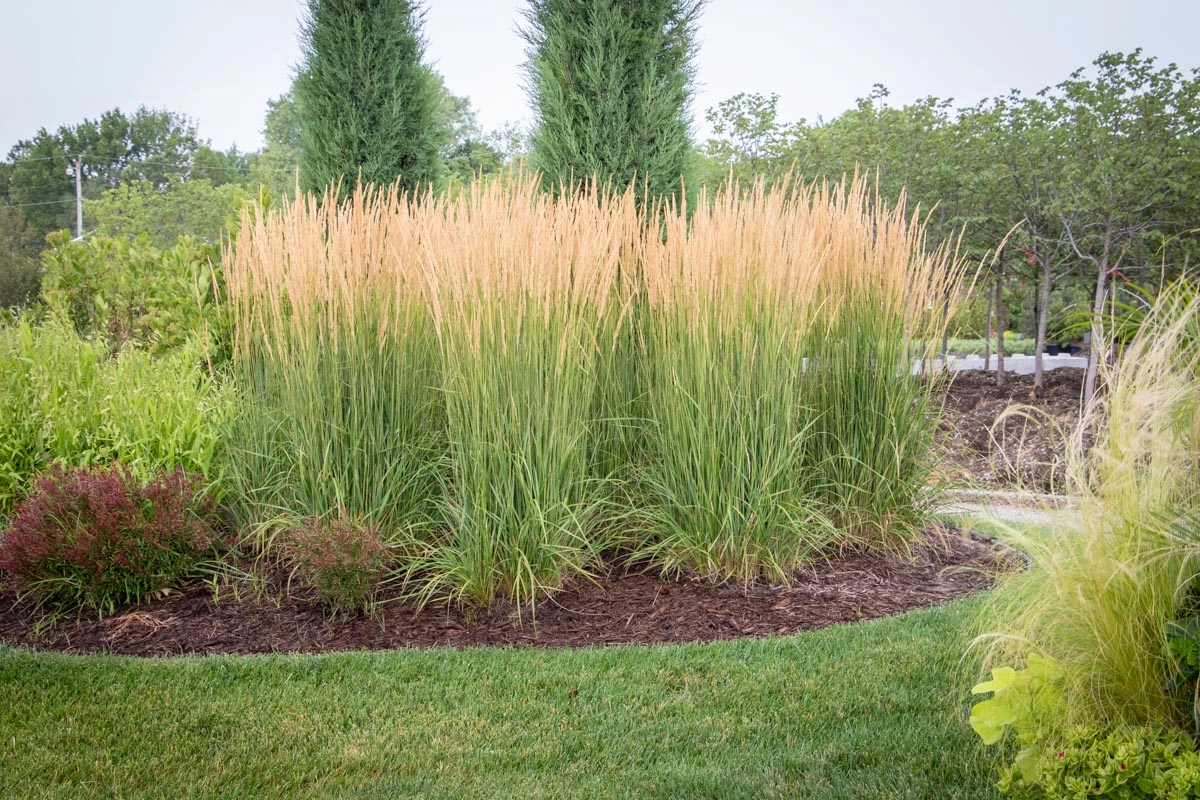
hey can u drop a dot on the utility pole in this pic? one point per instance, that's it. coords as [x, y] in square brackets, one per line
[78, 197]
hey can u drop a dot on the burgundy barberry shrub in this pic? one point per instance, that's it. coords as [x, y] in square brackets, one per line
[100, 538]
[345, 561]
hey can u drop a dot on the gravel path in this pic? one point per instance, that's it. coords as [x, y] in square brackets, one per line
[1015, 507]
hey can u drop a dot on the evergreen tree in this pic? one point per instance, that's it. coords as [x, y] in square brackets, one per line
[610, 82]
[368, 107]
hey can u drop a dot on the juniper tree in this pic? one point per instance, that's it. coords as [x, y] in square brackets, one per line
[610, 82]
[368, 106]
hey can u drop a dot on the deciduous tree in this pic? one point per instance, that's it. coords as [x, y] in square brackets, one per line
[150, 145]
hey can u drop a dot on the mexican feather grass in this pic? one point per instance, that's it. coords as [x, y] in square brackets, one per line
[1101, 590]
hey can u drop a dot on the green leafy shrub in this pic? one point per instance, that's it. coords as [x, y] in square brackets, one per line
[20, 273]
[1127, 763]
[1013, 346]
[65, 400]
[1183, 643]
[127, 290]
[192, 208]
[343, 559]
[100, 538]
[1029, 701]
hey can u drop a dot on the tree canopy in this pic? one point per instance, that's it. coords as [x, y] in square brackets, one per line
[151, 145]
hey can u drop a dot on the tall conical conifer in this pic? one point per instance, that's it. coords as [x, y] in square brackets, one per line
[610, 82]
[368, 105]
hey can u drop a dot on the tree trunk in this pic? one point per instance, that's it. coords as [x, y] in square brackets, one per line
[1001, 320]
[1095, 346]
[1043, 314]
[987, 332]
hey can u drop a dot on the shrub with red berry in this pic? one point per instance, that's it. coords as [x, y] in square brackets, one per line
[100, 538]
[345, 561]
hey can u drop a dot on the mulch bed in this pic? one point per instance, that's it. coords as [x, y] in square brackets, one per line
[622, 607]
[1025, 451]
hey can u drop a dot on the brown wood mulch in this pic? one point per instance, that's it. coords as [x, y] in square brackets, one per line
[622, 607]
[1025, 450]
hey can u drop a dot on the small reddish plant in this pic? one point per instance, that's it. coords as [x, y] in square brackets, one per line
[100, 538]
[344, 560]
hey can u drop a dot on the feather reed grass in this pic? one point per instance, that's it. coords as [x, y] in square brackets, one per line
[512, 383]
[730, 297]
[783, 415]
[335, 345]
[524, 295]
[882, 300]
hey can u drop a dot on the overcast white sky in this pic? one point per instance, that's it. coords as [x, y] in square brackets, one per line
[219, 61]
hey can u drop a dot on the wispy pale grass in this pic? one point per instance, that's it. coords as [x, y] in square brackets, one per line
[1102, 590]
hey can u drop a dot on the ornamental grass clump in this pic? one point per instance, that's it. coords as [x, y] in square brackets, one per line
[1105, 591]
[335, 353]
[729, 299]
[510, 383]
[783, 416]
[881, 292]
[524, 296]
[100, 538]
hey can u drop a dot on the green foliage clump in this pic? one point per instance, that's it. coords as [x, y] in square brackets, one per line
[1183, 643]
[128, 290]
[195, 208]
[20, 274]
[870, 420]
[65, 400]
[100, 538]
[345, 560]
[1013, 346]
[368, 107]
[610, 83]
[1126, 763]
[1029, 701]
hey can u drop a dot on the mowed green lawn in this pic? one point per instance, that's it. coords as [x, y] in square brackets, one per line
[873, 710]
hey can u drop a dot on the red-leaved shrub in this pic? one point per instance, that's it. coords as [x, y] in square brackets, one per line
[100, 538]
[344, 560]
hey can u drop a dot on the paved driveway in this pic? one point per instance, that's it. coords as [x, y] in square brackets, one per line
[1018, 365]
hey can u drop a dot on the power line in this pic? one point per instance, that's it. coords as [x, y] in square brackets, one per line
[163, 164]
[47, 158]
[45, 203]
[65, 179]
[133, 162]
